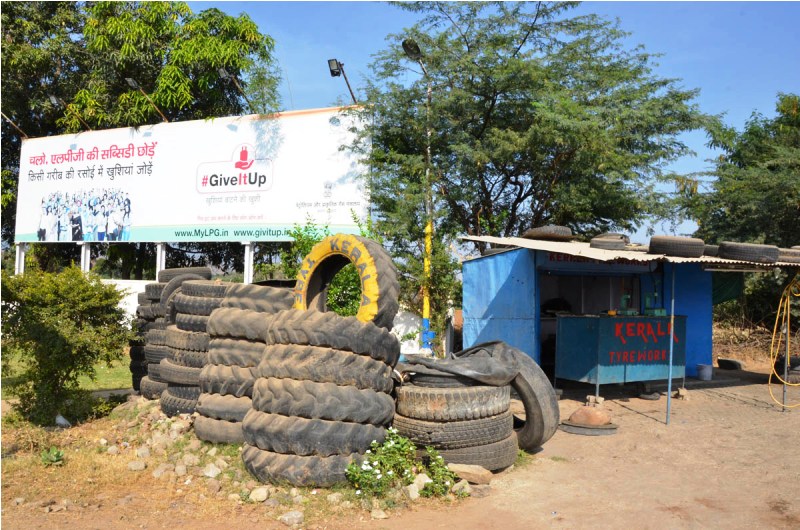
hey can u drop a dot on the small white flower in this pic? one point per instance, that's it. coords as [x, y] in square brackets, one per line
[390, 472]
[439, 457]
[379, 476]
[369, 452]
[446, 482]
[358, 492]
[374, 441]
[377, 471]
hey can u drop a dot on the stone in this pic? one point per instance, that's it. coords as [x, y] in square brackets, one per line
[462, 486]
[194, 445]
[294, 492]
[592, 416]
[298, 499]
[420, 481]
[211, 471]
[412, 491]
[102, 441]
[346, 505]
[480, 491]
[143, 452]
[250, 484]
[220, 463]
[234, 497]
[162, 469]
[272, 503]
[259, 494]
[137, 465]
[112, 450]
[681, 393]
[377, 513]
[190, 459]
[213, 486]
[19, 500]
[335, 498]
[181, 426]
[293, 518]
[180, 470]
[212, 452]
[471, 473]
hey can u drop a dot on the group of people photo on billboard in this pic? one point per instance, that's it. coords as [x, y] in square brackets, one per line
[86, 215]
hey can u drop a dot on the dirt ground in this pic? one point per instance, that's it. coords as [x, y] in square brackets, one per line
[728, 459]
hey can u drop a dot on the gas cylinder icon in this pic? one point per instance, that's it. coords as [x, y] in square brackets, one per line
[243, 162]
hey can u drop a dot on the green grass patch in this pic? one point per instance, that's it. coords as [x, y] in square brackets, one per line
[117, 376]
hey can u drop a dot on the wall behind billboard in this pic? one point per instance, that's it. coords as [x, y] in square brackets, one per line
[246, 178]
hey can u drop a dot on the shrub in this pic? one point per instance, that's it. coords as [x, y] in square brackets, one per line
[56, 327]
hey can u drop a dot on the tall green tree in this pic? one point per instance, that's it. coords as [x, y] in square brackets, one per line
[755, 194]
[83, 53]
[534, 117]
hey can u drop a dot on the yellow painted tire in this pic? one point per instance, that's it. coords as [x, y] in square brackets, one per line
[379, 286]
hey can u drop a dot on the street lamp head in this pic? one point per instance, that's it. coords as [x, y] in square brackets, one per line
[412, 50]
[335, 67]
[132, 83]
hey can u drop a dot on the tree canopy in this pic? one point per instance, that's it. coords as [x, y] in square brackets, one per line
[83, 54]
[755, 194]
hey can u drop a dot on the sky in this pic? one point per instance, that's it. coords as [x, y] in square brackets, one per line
[739, 54]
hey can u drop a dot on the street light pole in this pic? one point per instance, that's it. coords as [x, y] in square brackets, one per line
[58, 102]
[413, 52]
[337, 68]
[134, 85]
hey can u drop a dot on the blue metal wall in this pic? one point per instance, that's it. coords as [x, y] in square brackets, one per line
[693, 299]
[500, 300]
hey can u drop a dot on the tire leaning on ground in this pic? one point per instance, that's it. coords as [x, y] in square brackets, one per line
[269, 467]
[540, 401]
[378, 275]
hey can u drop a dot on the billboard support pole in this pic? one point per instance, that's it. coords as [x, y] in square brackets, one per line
[161, 258]
[19, 263]
[86, 256]
[248, 262]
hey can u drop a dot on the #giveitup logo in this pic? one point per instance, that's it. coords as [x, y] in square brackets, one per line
[242, 173]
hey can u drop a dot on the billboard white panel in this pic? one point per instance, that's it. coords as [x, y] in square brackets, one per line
[246, 178]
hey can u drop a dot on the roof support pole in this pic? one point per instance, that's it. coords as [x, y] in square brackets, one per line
[671, 343]
[161, 257]
[248, 262]
[86, 256]
[19, 261]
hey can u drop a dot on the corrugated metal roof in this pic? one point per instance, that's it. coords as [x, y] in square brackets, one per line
[599, 254]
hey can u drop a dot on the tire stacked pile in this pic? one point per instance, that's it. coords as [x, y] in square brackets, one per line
[150, 318]
[323, 390]
[187, 342]
[470, 423]
[236, 347]
[138, 364]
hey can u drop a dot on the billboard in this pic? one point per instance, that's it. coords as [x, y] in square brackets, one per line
[244, 178]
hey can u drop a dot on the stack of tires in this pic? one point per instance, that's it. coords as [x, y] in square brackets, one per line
[470, 423]
[236, 331]
[150, 320]
[138, 363]
[321, 398]
[323, 390]
[187, 342]
[466, 422]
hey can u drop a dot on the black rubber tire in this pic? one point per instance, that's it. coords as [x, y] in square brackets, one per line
[151, 389]
[379, 285]
[794, 363]
[154, 372]
[228, 408]
[218, 431]
[494, 456]
[196, 305]
[455, 434]
[172, 406]
[159, 323]
[191, 358]
[156, 337]
[788, 255]
[305, 437]
[175, 373]
[452, 404]
[325, 365]
[141, 298]
[711, 250]
[313, 328]
[136, 352]
[235, 352]
[186, 322]
[167, 275]
[136, 381]
[147, 311]
[258, 298]
[188, 392]
[153, 290]
[238, 324]
[153, 353]
[138, 366]
[547, 232]
[440, 381]
[749, 252]
[326, 401]
[686, 247]
[274, 468]
[187, 340]
[227, 380]
[205, 288]
[173, 285]
[542, 415]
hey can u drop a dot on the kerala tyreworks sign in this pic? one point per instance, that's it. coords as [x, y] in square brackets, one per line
[247, 178]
